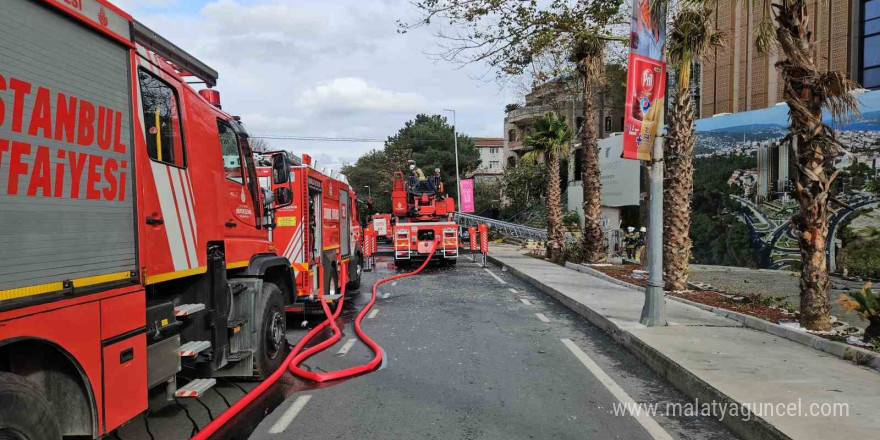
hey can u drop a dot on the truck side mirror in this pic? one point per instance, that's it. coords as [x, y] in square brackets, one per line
[283, 197]
[280, 170]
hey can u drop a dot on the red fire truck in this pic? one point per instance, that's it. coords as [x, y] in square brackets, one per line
[318, 233]
[382, 224]
[424, 215]
[135, 240]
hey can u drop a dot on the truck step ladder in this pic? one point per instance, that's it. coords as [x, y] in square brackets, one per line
[196, 388]
[401, 238]
[187, 309]
[450, 243]
[192, 348]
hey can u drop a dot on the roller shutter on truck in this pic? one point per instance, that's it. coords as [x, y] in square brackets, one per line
[66, 172]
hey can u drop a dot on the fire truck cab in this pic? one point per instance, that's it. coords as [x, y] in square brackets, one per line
[135, 240]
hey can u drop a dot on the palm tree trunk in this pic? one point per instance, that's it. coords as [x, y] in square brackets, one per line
[554, 210]
[593, 243]
[814, 154]
[679, 158]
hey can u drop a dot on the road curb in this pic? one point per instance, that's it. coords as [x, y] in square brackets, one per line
[857, 355]
[684, 380]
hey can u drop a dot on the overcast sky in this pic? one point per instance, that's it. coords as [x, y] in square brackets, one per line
[334, 68]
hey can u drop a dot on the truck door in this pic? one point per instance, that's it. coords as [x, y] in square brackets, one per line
[170, 227]
[243, 199]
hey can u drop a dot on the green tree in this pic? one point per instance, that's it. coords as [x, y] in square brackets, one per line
[550, 139]
[692, 37]
[373, 170]
[523, 187]
[429, 141]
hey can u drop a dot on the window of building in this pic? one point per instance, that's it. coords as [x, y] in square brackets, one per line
[607, 123]
[511, 135]
[578, 164]
[869, 73]
[161, 120]
[493, 150]
[494, 165]
[511, 162]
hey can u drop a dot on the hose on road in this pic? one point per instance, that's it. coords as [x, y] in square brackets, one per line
[297, 356]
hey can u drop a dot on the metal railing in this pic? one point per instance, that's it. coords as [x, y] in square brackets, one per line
[506, 229]
[613, 238]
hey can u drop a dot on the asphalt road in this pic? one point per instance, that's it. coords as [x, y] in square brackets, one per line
[472, 356]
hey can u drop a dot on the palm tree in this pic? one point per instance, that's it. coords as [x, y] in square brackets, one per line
[588, 54]
[691, 38]
[550, 138]
[807, 91]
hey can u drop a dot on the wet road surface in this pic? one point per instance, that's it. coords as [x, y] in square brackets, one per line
[475, 353]
[470, 353]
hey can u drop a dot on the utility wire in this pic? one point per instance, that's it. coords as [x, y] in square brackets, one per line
[335, 139]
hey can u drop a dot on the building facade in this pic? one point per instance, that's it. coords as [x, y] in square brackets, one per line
[492, 153]
[737, 78]
[620, 177]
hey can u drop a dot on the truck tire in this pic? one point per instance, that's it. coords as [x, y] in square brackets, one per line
[272, 347]
[26, 414]
[355, 283]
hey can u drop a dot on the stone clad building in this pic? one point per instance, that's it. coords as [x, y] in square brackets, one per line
[737, 78]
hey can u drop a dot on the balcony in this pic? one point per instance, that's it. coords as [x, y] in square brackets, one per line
[528, 112]
[514, 145]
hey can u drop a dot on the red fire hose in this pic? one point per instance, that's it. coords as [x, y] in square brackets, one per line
[295, 357]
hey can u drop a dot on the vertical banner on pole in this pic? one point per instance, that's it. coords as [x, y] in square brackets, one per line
[645, 82]
[467, 195]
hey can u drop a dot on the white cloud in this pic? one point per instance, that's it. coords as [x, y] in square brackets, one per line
[352, 94]
[329, 68]
[263, 124]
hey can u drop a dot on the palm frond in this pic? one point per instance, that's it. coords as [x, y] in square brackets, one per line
[838, 97]
[692, 36]
[765, 35]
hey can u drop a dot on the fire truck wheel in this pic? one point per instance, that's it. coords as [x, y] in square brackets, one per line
[26, 414]
[273, 347]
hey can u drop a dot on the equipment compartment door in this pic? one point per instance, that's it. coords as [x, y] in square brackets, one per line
[66, 190]
[345, 243]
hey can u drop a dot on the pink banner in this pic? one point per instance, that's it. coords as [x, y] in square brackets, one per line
[467, 195]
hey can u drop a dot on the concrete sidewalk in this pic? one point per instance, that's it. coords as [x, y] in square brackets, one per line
[712, 358]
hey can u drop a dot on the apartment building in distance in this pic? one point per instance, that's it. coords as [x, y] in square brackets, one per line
[737, 78]
[491, 159]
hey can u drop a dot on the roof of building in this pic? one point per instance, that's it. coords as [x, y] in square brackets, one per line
[488, 142]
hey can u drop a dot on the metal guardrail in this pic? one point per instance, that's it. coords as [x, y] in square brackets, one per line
[507, 229]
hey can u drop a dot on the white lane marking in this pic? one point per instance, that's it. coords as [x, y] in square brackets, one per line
[542, 317]
[512, 290]
[372, 313]
[650, 425]
[495, 276]
[394, 283]
[347, 346]
[525, 301]
[386, 295]
[282, 423]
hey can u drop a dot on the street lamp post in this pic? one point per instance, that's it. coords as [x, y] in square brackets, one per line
[369, 191]
[457, 179]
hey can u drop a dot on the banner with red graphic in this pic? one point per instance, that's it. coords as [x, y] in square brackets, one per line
[467, 195]
[646, 81]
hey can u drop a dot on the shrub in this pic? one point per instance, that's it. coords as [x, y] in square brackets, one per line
[571, 218]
